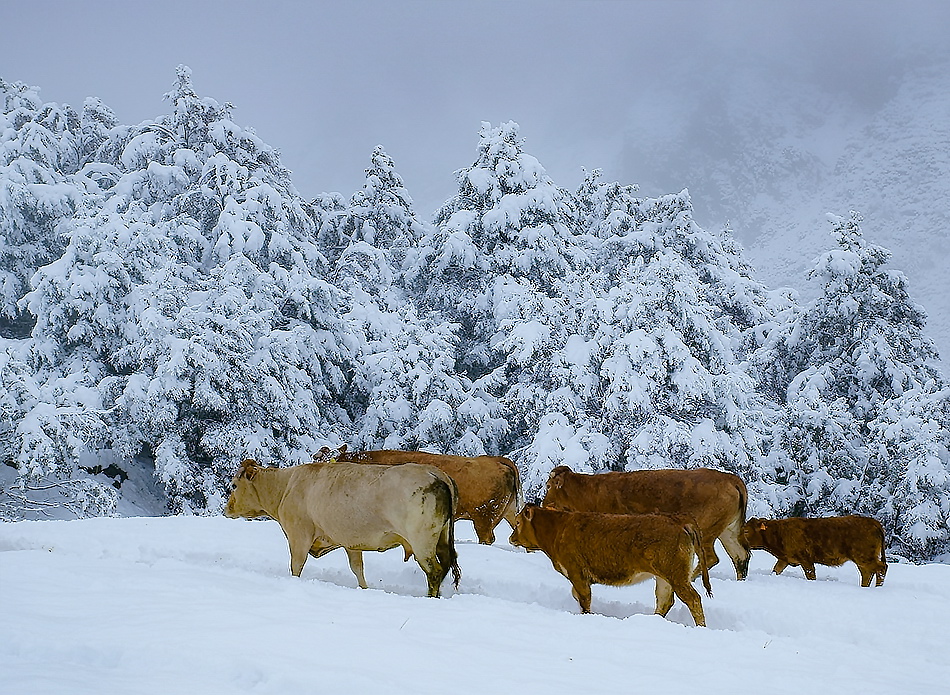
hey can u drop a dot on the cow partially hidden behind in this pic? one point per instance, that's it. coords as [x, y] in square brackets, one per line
[321, 507]
[715, 499]
[618, 550]
[823, 541]
[489, 487]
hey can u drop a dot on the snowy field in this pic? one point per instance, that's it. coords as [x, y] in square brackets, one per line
[203, 605]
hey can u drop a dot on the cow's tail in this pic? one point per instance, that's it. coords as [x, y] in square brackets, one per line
[743, 500]
[453, 554]
[446, 556]
[516, 501]
[696, 537]
[742, 565]
[880, 576]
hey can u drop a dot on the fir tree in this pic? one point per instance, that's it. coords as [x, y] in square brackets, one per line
[677, 308]
[381, 212]
[191, 307]
[502, 263]
[907, 480]
[410, 396]
[501, 246]
[38, 156]
[842, 362]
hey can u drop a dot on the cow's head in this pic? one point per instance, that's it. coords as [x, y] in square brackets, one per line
[328, 455]
[554, 495]
[523, 534]
[244, 500]
[753, 533]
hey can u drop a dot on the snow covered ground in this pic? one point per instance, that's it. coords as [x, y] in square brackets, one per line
[204, 605]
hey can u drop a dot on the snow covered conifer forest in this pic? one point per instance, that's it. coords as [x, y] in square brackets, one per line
[170, 304]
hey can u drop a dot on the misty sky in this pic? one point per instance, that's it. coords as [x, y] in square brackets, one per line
[326, 82]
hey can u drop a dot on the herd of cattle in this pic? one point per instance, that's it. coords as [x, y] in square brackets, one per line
[614, 528]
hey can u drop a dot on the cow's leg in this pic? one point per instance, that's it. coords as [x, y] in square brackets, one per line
[302, 540]
[664, 597]
[709, 548]
[809, 571]
[580, 589]
[738, 550]
[780, 566]
[688, 595]
[355, 558]
[426, 552]
[442, 561]
[435, 573]
[872, 570]
[299, 550]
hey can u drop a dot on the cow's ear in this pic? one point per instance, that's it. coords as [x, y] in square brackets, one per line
[528, 512]
[341, 450]
[249, 469]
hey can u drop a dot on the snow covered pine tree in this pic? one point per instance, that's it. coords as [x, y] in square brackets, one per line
[499, 263]
[677, 311]
[190, 313]
[405, 393]
[864, 426]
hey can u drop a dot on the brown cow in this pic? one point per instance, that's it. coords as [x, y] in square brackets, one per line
[618, 549]
[489, 487]
[716, 500]
[826, 541]
[321, 507]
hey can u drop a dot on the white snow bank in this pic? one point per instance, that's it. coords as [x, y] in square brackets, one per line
[207, 605]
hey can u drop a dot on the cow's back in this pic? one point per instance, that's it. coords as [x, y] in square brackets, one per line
[476, 476]
[708, 495]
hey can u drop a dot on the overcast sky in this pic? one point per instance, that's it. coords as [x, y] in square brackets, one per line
[325, 82]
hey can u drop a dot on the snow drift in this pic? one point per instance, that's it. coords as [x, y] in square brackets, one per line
[207, 605]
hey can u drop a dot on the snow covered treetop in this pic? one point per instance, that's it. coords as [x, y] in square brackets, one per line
[502, 166]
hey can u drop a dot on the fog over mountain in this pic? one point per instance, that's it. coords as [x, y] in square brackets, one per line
[770, 161]
[771, 114]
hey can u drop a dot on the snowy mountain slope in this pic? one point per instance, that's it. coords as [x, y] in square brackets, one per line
[897, 173]
[198, 604]
[770, 155]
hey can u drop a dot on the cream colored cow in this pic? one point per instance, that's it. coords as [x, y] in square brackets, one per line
[358, 507]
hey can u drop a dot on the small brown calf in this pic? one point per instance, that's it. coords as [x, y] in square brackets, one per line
[824, 541]
[618, 550]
